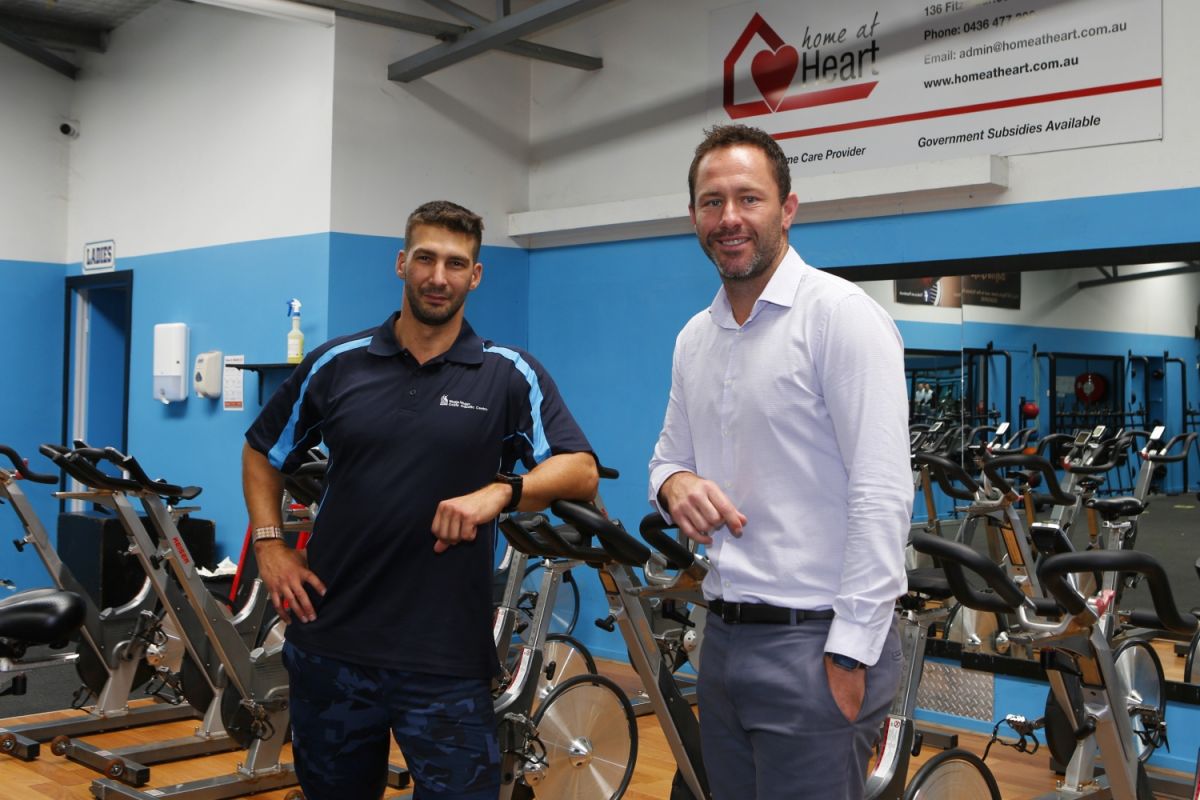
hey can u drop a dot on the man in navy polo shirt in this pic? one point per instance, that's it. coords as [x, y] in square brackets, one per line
[390, 607]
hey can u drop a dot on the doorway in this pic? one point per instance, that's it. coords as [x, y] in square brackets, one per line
[99, 316]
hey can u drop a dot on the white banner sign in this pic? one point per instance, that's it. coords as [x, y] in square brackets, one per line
[859, 84]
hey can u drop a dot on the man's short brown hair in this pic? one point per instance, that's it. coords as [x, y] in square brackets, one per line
[721, 136]
[451, 216]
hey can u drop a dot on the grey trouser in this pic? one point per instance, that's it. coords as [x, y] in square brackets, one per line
[769, 726]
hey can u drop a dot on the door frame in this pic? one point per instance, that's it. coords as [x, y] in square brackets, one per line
[75, 353]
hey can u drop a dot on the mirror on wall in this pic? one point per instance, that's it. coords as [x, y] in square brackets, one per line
[1113, 350]
[1066, 351]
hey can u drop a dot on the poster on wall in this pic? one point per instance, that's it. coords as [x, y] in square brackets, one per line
[998, 289]
[861, 84]
[941, 292]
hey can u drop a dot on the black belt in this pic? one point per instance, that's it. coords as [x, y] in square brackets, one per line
[763, 614]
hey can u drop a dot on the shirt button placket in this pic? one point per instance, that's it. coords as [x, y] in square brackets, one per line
[727, 410]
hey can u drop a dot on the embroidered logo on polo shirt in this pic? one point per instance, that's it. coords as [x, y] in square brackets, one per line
[463, 404]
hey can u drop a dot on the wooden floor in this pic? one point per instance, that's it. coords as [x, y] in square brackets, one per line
[1019, 776]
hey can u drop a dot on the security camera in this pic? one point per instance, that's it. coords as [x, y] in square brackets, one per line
[69, 130]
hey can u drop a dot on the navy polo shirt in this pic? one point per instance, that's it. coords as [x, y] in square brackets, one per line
[401, 438]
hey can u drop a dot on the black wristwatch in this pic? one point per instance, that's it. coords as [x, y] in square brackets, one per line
[845, 662]
[516, 482]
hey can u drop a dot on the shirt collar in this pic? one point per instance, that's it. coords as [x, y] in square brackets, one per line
[467, 348]
[780, 291]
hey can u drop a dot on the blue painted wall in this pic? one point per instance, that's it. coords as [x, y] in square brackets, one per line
[31, 307]
[233, 299]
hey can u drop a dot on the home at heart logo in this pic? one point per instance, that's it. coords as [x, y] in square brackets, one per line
[837, 60]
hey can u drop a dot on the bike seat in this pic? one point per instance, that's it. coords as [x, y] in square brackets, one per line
[1113, 508]
[38, 616]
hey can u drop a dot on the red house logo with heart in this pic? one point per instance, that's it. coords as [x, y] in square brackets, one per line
[773, 70]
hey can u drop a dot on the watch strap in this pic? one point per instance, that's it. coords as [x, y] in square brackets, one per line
[266, 532]
[845, 662]
[516, 483]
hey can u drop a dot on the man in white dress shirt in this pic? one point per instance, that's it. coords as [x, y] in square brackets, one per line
[785, 451]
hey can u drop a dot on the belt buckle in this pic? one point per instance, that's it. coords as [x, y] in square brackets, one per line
[731, 614]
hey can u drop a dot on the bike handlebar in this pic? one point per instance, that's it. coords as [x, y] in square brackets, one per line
[955, 558]
[1054, 570]
[1111, 450]
[1161, 456]
[22, 469]
[652, 528]
[945, 472]
[159, 487]
[1048, 444]
[80, 464]
[1033, 463]
[588, 520]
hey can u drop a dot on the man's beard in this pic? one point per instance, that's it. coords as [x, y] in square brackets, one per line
[432, 318]
[764, 255]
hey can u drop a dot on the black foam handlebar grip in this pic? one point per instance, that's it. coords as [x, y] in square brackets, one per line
[159, 487]
[652, 528]
[1054, 570]
[1112, 450]
[1161, 456]
[587, 519]
[1031, 463]
[22, 469]
[953, 479]
[80, 465]
[955, 558]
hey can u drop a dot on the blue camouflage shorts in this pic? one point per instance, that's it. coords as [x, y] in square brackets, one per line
[342, 714]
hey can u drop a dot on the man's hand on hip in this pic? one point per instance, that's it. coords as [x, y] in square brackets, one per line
[699, 507]
[284, 571]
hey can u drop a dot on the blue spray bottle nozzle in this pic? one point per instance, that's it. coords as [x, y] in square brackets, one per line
[293, 307]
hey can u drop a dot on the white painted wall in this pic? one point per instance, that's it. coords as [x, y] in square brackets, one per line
[628, 130]
[1165, 306]
[34, 101]
[460, 134]
[202, 126]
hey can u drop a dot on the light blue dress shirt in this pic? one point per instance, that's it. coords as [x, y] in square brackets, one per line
[800, 415]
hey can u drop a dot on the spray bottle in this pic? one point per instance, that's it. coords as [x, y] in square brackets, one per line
[295, 337]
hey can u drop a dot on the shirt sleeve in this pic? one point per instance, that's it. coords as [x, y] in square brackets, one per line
[862, 376]
[675, 451]
[543, 424]
[290, 423]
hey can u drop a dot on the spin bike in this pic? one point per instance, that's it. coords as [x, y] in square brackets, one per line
[251, 681]
[580, 740]
[615, 560]
[1075, 652]
[118, 648]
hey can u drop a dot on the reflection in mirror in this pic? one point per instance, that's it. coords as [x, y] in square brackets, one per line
[928, 315]
[1109, 357]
